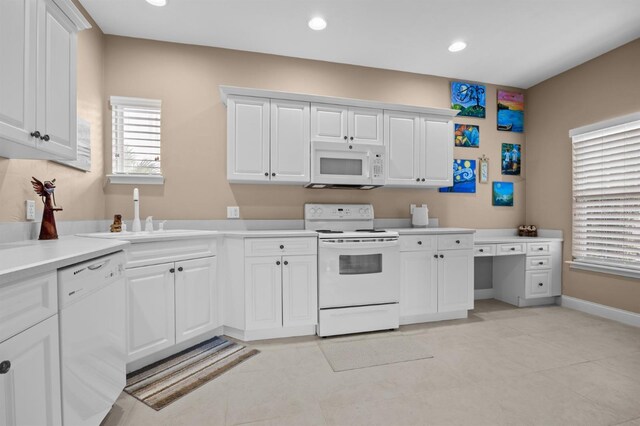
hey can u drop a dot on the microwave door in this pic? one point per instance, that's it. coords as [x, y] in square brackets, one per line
[341, 168]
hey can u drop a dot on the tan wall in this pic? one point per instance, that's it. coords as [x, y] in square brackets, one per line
[80, 194]
[186, 79]
[602, 88]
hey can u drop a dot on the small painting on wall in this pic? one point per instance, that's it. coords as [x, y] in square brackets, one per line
[467, 135]
[503, 194]
[469, 99]
[464, 177]
[510, 111]
[511, 158]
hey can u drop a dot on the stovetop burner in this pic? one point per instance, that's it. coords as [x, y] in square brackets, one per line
[328, 231]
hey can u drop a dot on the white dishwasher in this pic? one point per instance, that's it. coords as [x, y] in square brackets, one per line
[92, 338]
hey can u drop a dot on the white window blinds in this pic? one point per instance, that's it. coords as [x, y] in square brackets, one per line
[136, 136]
[606, 193]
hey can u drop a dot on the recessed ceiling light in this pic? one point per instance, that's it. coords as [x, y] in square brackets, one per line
[158, 3]
[316, 23]
[455, 47]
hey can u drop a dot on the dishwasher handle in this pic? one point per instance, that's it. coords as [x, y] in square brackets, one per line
[97, 266]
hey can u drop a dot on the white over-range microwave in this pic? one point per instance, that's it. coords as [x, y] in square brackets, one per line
[337, 165]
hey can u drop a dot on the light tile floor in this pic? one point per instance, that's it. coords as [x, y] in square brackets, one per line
[501, 366]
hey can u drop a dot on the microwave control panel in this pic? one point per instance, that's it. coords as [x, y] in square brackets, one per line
[377, 167]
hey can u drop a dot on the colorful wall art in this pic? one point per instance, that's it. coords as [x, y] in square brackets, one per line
[503, 194]
[510, 111]
[469, 99]
[511, 158]
[467, 135]
[464, 177]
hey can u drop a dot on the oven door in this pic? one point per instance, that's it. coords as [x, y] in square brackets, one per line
[358, 273]
[333, 163]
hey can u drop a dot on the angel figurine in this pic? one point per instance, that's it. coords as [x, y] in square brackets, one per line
[45, 190]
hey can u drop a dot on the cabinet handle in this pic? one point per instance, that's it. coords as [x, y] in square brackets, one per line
[423, 179]
[417, 179]
[273, 174]
[419, 243]
[441, 256]
[540, 284]
[350, 146]
[266, 174]
[35, 134]
[540, 248]
[435, 256]
[45, 138]
[180, 269]
[5, 366]
[513, 249]
[540, 263]
[172, 270]
[281, 247]
[457, 241]
[286, 262]
[345, 137]
[351, 138]
[481, 250]
[277, 262]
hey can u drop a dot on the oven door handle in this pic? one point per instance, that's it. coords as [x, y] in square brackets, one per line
[367, 245]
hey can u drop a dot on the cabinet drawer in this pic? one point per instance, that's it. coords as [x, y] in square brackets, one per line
[154, 253]
[484, 250]
[417, 242]
[538, 284]
[25, 303]
[538, 262]
[455, 241]
[280, 246]
[538, 248]
[508, 249]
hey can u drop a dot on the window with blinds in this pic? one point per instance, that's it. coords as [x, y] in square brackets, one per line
[136, 136]
[606, 193]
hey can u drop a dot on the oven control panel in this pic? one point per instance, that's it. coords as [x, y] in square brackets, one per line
[338, 211]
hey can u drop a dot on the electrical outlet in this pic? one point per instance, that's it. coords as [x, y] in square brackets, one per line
[233, 212]
[30, 207]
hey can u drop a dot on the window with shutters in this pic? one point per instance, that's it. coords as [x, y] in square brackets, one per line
[136, 140]
[606, 196]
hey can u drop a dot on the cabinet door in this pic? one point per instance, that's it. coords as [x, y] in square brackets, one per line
[329, 123]
[418, 283]
[30, 390]
[455, 280]
[247, 139]
[402, 139]
[290, 145]
[150, 310]
[436, 153]
[196, 293]
[365, 126]
[299, 291]
[18, 71]
[56, 77]
[263, 288]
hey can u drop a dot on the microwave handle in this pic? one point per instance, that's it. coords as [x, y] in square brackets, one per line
[370, 163]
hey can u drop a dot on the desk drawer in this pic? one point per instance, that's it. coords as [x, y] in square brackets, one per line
[455, 241]
[484, 250]
[538, 248]
[537, 284]
[417, 242]
[538, 262]
[511, 248]
[280, 246]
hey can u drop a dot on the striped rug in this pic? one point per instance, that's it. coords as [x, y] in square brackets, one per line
[163, 382]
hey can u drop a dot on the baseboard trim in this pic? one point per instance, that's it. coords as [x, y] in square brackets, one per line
[484, 293]
[438, 316]
[615, 314]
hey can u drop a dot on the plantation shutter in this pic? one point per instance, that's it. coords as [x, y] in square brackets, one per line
[606, 193]
[135, 135]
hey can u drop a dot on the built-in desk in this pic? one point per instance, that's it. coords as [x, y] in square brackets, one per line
[522, 271]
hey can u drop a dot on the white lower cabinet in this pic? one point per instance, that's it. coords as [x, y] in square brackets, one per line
[30, 376]
[170, 303]
[299, 291]
[434, 283]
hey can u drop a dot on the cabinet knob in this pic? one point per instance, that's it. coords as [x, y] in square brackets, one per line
[273, 174]
[457, 241]
[441, 256]
[35, 134]
[351, 138]
[435, 256]
[172, 270]
[45, 138]
[345, 137]
[481, 250]
[277, 262]
[540, 248]
[286, 262]
[419, 243]
[540, 284]
[540, 263]
[281, 247]
[180, 269]
[5, 366]
[417, 179]
[350, 146]
[513, 249]
[266, 174]
[423, 179]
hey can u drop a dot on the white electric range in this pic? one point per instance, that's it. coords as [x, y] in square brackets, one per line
[358, 269]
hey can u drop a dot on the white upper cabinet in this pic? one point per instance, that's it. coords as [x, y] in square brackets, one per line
[290, 146]
[436, 153]
[38, 78]
[247, 139]
[340, 123]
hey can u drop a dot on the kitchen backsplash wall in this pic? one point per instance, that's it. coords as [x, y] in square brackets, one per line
[80, 194]
[186, 79]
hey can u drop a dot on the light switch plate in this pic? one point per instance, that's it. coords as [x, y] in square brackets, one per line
[233, 212]
[30, 208]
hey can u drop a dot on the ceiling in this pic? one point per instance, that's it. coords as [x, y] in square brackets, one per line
[510, 42]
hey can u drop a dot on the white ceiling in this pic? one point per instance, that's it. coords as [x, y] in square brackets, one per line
[510, 42]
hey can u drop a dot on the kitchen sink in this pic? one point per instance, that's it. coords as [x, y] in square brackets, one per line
[151, 235]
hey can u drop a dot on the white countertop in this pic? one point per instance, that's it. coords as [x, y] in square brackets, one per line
[32, 257]
[511, 239]
[270, 233]
[432, 231]
[145, 237]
